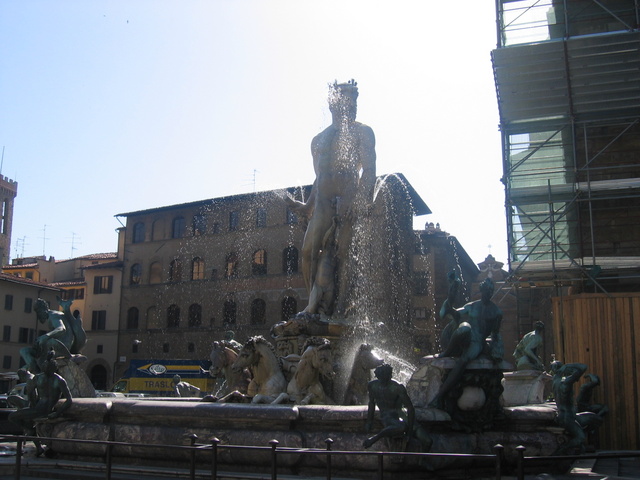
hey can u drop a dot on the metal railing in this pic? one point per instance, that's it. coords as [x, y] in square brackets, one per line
[497, 459]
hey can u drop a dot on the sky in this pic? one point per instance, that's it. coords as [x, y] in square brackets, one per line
[109, 107]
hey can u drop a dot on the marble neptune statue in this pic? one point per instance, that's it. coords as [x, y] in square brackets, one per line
[344, 161]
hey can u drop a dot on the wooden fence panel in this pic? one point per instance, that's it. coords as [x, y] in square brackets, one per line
[601, 331]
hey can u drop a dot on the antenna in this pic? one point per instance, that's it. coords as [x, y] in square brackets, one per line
[254, 180]
[73, 243]
[44, 240]
[20, 244]
[2, 160]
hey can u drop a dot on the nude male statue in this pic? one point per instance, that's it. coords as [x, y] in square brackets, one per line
[396, 409]
[344, 161]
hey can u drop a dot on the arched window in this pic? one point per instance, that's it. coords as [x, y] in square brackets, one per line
[258, 312]
[231, 267]
[290, 260]
[173, 316]
[229, 312]
[178, 227]
[259, 263]
[289, 308]
[199, 225]
[175, 270]
[136, 274]
[195, 315]
[197, 269]
[132, 318]
[138, 233]
[155, 273]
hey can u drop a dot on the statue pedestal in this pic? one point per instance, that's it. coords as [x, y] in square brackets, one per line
[473, 403]
[525, 387]
[77, 379]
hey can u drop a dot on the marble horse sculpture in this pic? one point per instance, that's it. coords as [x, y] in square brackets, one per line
[305, 387]
[222, 358]
[365, 361]
[267, 379]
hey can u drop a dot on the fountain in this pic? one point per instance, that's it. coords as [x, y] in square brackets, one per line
[351, 222]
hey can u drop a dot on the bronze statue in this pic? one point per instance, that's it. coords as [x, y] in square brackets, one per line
[184, 389]
[574, 423]
[469, 328]
[344, 161]
[397, 413]
[66, 335]
[230, 341]
[43, 392]
[526, 353]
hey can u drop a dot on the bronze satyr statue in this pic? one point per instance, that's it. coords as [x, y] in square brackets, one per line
[344, 161]
[43, 392]
[526, 353]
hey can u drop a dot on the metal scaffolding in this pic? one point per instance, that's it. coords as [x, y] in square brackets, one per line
[567, 75]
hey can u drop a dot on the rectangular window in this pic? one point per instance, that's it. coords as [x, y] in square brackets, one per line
[234, 220]
[8, 302]
[28, 305]
[79, 293]
[6, 362]
[23, 335]
[99, 349]
[103, 284]
[420, 283]
[32, 335]
[6, 333]
[98, 320]
[261, 217]
[292, 218]
[29, 275]
[420, 313]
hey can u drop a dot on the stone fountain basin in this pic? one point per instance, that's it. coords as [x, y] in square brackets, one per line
[172, 422]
